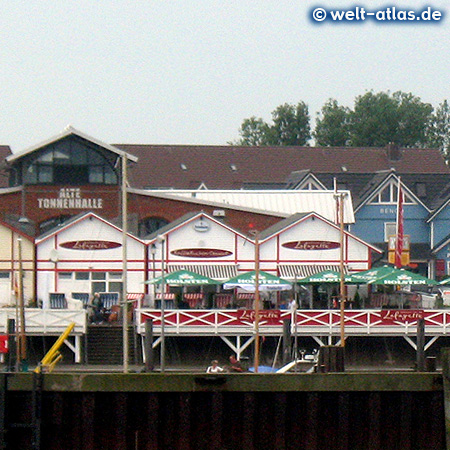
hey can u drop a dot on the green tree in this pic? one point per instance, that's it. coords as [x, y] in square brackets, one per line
[290, 127]
[438, 132]
[254, 131]
[291, 124]
[373, 120]
[332, 125]
[381, 118]
[413, 119]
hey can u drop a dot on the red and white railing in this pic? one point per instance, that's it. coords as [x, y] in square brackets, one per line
[308, 322]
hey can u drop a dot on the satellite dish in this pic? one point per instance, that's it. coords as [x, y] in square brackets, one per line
[54, 255]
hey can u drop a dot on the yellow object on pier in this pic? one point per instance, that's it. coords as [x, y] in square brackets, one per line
[53, 355]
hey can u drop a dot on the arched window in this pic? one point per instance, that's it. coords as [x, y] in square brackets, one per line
[70, 162]
[150, 225]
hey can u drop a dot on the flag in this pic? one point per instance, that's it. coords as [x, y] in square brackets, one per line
[16, 287]
[399, 227]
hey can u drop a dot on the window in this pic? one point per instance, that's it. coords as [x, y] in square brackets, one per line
[115, 275]
[91, 281]
[70, 162]
[389, 196]
[150, 225]
[390, 229]
[5, 275]
[82, 275]
[98, 287]
[99, 275]
[65, 275]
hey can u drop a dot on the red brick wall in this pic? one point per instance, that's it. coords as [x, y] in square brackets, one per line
[141, 206]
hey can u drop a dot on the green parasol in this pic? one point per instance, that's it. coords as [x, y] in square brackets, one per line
[326, 276]
[183, 278]
[401, 277]
[266, 282]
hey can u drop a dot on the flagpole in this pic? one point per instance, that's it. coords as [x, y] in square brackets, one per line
[341, 266]
[399, 227]
[124, 266]
[256, 358]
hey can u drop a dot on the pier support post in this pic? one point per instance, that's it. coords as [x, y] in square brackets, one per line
[445, 356]
[148, 345]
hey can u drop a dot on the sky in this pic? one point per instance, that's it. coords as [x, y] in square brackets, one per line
[189, 72]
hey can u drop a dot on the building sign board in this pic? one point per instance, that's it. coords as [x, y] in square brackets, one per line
[311, 245]
[70, 198]
[266, 316]
[201, 252]
[401, 315]
[90, 245]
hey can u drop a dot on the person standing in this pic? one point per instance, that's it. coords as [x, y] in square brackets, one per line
[97, 308]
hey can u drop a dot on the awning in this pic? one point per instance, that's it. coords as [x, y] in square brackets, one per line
[214, 271]
[297, 271]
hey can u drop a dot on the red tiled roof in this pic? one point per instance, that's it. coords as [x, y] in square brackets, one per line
[229, 167]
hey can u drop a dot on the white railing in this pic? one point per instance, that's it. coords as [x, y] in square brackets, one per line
[46, 321]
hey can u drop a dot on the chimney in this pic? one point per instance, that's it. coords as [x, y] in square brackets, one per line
[393, 152]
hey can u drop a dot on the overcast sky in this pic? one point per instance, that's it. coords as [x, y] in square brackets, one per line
[189, 72]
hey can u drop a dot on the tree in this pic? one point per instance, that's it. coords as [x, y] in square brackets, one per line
[373, 120]
[378, 119]
[413, 119]
[291, 124]
[438, 132]
[290, 127]
[332, 125]
[254, 131]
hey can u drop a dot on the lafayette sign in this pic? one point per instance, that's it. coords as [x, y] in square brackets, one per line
[311, 245]
[201, 252]
[90, 245]
[401, 315]
[266, 316]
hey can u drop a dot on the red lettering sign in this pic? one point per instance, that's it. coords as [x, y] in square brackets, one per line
[311, 245]
[201, 252]
[401, 315]
[90, 245]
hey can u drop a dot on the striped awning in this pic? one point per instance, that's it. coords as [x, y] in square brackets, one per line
[214, 271]
[297, 271]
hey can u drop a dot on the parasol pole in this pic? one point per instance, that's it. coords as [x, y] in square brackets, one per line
[256, 358]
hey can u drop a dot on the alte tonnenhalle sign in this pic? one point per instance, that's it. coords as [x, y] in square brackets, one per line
[70, 198]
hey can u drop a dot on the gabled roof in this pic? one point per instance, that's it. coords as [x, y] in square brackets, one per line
[298, 179]
[76, 219]
[296, 218]
[378, 182]
[235, 167]
[69, 131]
[186, 218]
